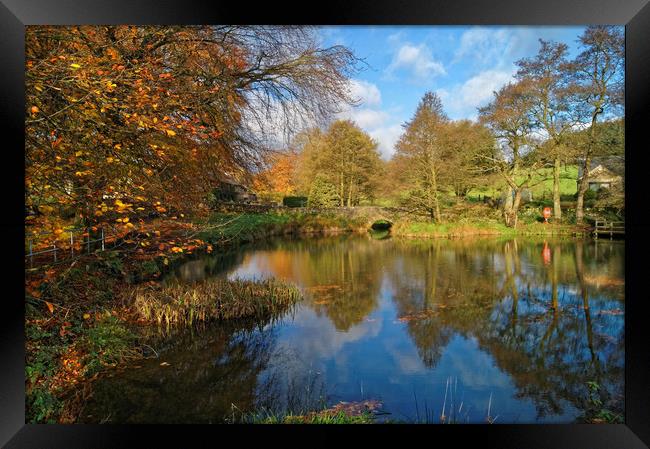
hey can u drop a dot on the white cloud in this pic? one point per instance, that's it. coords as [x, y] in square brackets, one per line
[395, 37]
[462, 100]
[367, 93]
[369, 118]
[486, 45]
[369, 115]
[418, 60]
[386, 137]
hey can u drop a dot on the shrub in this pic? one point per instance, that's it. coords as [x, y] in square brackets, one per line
[294, 201]
[322, 193]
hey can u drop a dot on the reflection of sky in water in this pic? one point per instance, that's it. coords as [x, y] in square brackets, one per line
[377, 360]
[395, 321]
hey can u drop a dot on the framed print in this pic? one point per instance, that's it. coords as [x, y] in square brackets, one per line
[393, 214]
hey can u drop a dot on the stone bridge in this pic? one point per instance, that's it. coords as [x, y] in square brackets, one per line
[370, 214]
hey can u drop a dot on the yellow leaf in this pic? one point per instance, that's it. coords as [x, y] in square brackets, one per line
[170, 132]
[109, 159]
[86, 316]
[50, 306]
[75, 66]
[78, 153]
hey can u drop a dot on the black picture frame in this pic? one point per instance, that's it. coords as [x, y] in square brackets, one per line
[634, 14]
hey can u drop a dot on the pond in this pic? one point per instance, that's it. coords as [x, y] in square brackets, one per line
[511, 331]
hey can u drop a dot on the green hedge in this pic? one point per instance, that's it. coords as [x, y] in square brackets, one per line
[294, 201]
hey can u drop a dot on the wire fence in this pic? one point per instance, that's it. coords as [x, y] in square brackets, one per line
[85, 243]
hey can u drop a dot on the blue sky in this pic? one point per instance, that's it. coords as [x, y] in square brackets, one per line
[462, 64]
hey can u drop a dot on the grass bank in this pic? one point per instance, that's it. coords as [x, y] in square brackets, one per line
[233, 228]
[362, 412]
[419, 229]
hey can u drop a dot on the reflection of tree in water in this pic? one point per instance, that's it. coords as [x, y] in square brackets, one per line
[345, 279]
[499, 292]
[203, 267]
[429, 279]
[209, 370]
[536, 320]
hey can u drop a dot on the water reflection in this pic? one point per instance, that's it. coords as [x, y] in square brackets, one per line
[523, 325]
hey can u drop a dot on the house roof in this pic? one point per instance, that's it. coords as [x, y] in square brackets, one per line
[610, 166]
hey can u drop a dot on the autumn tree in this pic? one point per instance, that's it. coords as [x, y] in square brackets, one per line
[310, 146]
[466, 145]
[277, 179]
[555, 110]
[126, 121]
[420, 150]
[346, 157]
[353, 158]
[508, 116]
[599, 70]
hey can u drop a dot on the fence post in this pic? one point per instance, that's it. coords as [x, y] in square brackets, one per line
[102, 239]
[71, 244]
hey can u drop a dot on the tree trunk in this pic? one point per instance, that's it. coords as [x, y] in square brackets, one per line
[557, 209]
[342, 193]
[434, 193]
[350, 194]
[515, 206]
[507, 207]
[583, 183]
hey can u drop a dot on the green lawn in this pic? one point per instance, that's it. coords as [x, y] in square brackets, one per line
[541, 184]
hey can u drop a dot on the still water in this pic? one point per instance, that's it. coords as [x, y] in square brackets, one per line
[514, 330]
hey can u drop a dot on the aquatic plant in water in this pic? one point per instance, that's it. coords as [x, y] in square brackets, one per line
[213, 299]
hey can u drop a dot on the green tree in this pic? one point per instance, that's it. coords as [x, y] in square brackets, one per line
[467, 144]
[554, 111]
[345, 156]
[420, 150]
[599, 69]
[322, 193]
[508, 116]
